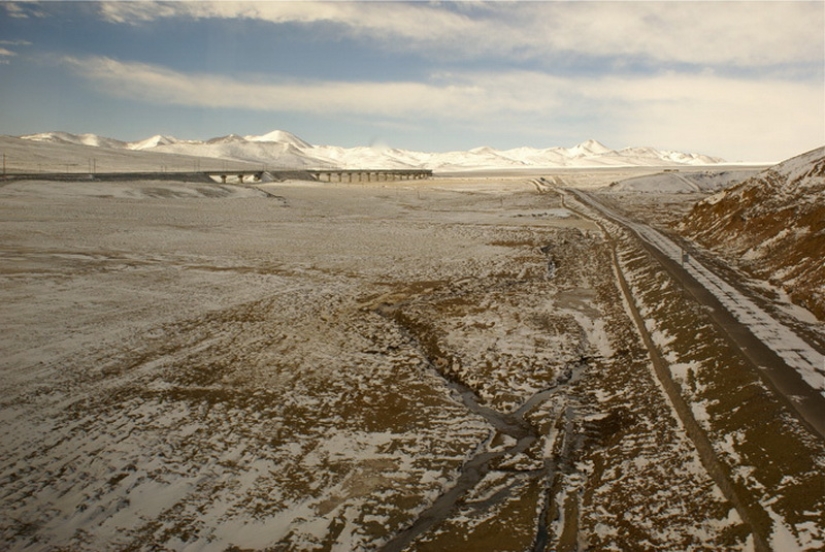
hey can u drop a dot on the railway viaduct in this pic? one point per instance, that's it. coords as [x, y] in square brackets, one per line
[330, 175]
[242, 175]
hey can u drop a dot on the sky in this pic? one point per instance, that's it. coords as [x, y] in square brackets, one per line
[744, 81]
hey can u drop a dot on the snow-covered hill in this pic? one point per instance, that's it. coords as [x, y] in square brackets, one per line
[774, 223]
[683, 182]
[77, 139]
[153, 142]
[285, 150]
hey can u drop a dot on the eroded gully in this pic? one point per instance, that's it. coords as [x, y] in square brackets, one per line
[514, 425]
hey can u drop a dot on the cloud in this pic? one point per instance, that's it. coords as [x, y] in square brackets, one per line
[15, 43]
[154, 84]
[22, 10]
[6, 54]
[750, 34]
[743, 119]
[15, 10]
[700, 33]
[714, 114]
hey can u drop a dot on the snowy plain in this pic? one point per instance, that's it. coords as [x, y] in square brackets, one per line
[306, 365]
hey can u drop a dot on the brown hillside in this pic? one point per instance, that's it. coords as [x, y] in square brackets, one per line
[773, 227]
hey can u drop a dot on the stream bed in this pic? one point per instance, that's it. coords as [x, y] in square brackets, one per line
[518, 427]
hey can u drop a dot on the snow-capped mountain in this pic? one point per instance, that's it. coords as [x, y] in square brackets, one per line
[774, 225]
[153, 142]
[281, 137]
[589, 148]
[285, 150]
[77, 139]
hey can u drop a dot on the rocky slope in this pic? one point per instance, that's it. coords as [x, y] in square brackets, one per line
[773, 225]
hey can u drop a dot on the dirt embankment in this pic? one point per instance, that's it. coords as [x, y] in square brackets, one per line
[773, 227]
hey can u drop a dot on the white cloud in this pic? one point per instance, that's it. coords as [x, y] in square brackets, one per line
[15, 42]
[388, 99]
[6, 54]
[749, 34]
[741, 33]
[22, 10]
[737, 118]
[15, 10]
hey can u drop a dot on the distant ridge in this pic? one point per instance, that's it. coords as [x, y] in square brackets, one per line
[283, 149]
[77, 139]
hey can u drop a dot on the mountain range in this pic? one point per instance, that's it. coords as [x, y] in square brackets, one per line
[281, 149]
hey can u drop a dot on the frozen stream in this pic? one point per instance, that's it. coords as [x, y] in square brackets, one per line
[514, 425]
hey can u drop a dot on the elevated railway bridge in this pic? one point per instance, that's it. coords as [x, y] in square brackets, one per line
[234, 175]
[328, 175]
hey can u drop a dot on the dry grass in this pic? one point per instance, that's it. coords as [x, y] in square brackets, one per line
[773, 232]
[770, 456]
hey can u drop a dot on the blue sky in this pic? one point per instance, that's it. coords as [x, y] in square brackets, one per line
[741, 80]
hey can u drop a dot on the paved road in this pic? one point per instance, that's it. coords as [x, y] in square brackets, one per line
[790, 365]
